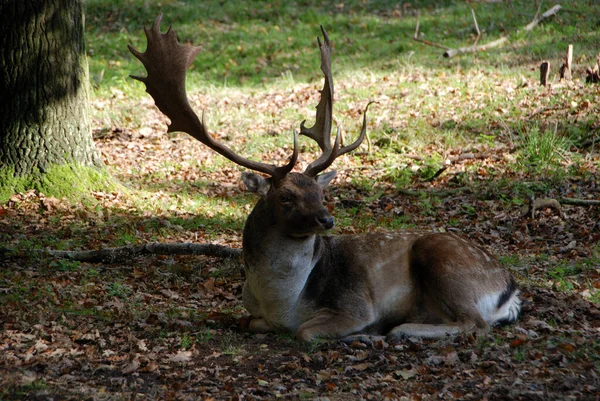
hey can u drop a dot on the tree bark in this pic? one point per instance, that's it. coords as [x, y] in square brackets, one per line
[44, 86]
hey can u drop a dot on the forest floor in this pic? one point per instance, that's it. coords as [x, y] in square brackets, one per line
[468, 150]
[173, 327]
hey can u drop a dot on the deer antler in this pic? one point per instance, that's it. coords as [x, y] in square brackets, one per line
[166, 61]
[321, 131]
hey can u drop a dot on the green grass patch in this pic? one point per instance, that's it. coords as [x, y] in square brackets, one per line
[69, 181]
[543, 151]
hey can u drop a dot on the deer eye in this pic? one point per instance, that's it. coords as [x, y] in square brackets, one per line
[286, 198]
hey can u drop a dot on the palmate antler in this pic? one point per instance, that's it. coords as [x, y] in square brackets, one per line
[166, 61]
[321, 131]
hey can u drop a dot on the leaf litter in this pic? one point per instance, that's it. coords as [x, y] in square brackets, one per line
[173, 327]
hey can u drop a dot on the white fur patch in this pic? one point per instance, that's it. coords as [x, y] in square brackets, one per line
[489, 311]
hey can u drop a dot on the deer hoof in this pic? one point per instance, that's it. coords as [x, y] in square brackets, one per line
[260, 326]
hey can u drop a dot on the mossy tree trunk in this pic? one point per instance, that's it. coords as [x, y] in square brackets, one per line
[44, 86]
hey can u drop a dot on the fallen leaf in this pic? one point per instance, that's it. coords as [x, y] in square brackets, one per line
[181, 356]
[406, 373]
[361, 366]
[131, 367]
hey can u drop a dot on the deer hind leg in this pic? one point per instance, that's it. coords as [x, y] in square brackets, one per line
[427, 330]
[440, 315]
[445, 310]
[461, 288]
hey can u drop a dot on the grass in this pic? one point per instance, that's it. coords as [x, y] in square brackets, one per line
[542, 151]
[272, 38]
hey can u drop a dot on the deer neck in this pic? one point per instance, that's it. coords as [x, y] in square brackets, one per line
[278, 263]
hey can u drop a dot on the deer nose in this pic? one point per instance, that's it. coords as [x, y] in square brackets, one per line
[326, 221]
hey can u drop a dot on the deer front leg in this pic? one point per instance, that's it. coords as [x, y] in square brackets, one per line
[260, 326]
[329, 324]
[257, 324]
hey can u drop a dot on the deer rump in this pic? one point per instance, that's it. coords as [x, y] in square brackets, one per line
[405, 283]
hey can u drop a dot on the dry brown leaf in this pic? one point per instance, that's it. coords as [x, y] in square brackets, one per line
[181, 356]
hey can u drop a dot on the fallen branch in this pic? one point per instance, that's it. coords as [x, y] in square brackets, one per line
[457, 158]
[473, 49]
[579, 202]
[547, 14]
[119, 254]
[543, 203]
[440, 194]
[556, 204]
[495, 43]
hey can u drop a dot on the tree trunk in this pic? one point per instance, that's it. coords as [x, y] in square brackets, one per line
[44, 86]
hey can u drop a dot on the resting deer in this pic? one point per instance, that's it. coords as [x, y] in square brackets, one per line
[405, 283]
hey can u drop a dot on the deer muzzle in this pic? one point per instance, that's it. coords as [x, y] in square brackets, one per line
[326, 221]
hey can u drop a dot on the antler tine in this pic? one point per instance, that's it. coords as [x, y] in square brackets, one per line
[361, 137]
[166, 61]
[321, 131]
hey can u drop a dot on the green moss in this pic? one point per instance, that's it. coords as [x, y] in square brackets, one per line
[70, 181]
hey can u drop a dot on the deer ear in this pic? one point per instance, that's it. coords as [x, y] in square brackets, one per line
[325, 178]
[256, 183]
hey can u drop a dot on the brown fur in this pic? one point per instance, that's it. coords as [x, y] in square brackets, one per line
[397, 283]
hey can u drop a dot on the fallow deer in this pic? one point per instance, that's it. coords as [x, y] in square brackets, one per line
[406, 283]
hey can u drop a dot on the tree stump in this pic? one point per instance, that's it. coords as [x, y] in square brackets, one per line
[544, 73]
[593, 73]
[565, 69]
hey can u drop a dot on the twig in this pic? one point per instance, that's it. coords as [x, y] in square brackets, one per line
[462, 156]
[426, 42]
[414, 156]
[372, 168]
[112, 255]
[437, 174]
[476, 28]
